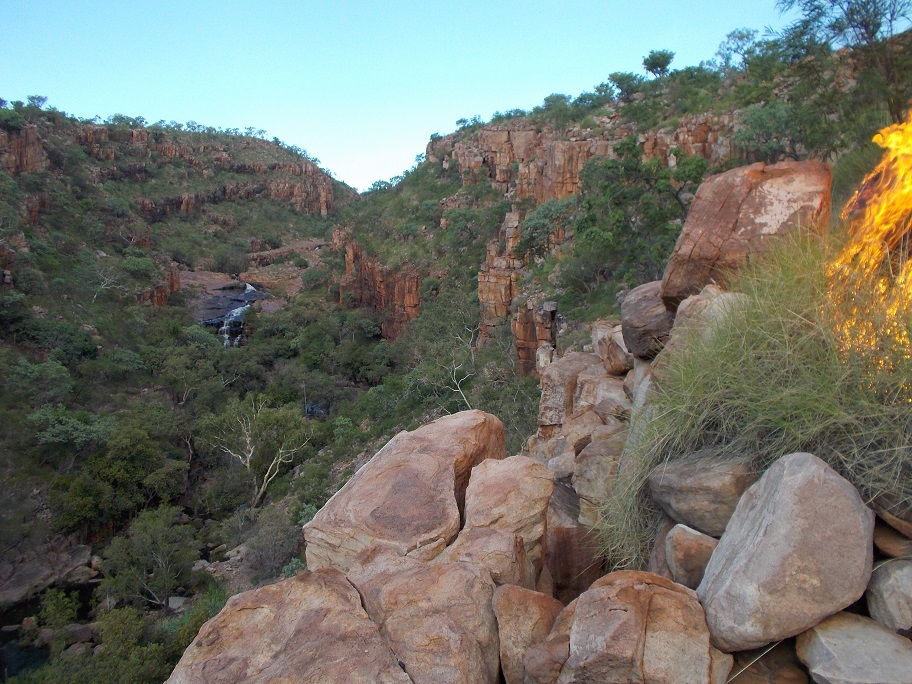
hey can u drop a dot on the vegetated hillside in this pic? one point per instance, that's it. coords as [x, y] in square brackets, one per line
[129, 426]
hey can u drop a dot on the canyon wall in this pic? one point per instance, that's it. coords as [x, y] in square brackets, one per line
[523, 160]
[134, 153]
[392, 293]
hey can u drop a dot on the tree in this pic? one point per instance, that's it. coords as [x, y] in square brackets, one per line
[631, 211]
[657, 62]
[868, 28]
[263, 439]
[738, 47]
[154, 559]
[626, 84]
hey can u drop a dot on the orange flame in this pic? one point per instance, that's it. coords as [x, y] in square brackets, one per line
[875, 261]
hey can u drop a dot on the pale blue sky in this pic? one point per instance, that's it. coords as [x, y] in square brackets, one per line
[361, 85]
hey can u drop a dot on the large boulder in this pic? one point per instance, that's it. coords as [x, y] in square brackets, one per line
[543, 660]
[523, 617]
[636, 626]
[438, 620]
[409, 495]
[311, 628]
[798, 548]
[734, 215]
[645, 322]
[851, 649]
[889, 595]
[511, 495]
[701, 491]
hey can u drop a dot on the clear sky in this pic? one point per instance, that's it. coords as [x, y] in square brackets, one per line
[361, 85]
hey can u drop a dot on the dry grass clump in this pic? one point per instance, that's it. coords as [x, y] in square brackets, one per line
[776, 376]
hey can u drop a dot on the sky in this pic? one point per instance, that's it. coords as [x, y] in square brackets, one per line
[360, 85]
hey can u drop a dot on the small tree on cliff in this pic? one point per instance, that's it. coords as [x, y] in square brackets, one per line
[657, 62]
[263, 439]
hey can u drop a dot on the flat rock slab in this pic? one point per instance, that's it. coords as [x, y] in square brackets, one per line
[798, 548]
[310, 629]
[734, 215]
[701, 492]
[408, 495]
[851, 649]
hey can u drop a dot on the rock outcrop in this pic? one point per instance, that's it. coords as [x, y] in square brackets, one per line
[521, 159]
[410, 495]
[735, 213]
[311, 628]
[394, 294]
[21, 151]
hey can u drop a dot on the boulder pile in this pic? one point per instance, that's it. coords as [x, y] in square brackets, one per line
[442, 560]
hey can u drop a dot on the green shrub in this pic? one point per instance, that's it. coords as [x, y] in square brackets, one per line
[772, 378]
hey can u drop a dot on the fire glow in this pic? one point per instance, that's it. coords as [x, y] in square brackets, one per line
[872, 276]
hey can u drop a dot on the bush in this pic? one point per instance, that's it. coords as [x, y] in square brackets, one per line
[775, 376]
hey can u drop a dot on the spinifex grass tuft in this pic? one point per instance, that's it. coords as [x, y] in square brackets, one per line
[773, 377]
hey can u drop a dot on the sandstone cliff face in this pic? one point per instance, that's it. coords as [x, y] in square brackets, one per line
[522, 160]
[21, 151]
[393, 294]
[133, 153]
[499, 285]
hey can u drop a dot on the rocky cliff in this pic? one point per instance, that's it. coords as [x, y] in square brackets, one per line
[122, 153]
[392, 293]
[21, 151]
[524, 160]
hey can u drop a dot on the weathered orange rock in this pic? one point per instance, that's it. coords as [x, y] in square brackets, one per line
[409, 495]
[523, 617]
[501, 552]
[21, 151]
[636, 626]
[438, 620]
[543, 660]
[511, 495]
[393, 294]
[890, 542]
[311, 628]
[687, 553]
[735, 213]
[542, 163]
